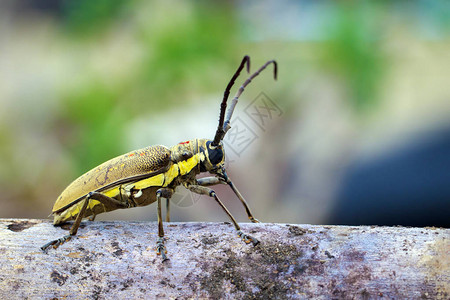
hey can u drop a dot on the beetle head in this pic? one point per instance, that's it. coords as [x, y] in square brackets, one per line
[213, 156]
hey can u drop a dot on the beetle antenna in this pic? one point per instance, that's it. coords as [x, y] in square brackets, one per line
[226, 125]
[220, 133]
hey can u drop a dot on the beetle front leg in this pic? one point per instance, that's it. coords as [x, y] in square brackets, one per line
[206, 181]
[160, 247]
[247, 209]
[207, 191]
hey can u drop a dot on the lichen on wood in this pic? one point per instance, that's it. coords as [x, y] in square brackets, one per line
[207, 260]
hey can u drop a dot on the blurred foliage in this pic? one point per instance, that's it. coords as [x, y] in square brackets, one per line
[186, 49]
[78, 76]
[177, 55]
[93, 111]
[85, 17]
[353, 51]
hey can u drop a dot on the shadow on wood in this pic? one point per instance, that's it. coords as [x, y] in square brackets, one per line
[207, 260]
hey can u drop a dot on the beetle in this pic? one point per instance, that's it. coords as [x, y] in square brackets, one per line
[144, 176]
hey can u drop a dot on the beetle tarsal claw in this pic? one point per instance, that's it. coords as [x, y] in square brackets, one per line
[247, 238]
[253, 220]
[161, 248]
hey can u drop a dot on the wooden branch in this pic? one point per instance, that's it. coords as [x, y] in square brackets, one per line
[117, 260]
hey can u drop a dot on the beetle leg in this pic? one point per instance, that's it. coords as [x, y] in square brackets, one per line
[207, 191]
[247, 209]
[73, 229]
[167, 210]
[160, 247]
[56, 243]
[105, 200]
[206, 181]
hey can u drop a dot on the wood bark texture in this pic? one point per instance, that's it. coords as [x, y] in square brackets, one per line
[117, 260]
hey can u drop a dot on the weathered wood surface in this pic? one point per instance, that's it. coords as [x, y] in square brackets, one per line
[117, 260]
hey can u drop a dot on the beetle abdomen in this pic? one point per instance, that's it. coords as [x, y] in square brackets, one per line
[95, 207]
[138, 162]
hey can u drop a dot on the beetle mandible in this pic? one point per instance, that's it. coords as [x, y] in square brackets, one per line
[144, 176]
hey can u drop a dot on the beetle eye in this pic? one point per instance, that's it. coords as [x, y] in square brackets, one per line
[215, 155]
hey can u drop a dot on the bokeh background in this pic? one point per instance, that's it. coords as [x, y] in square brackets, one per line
[356, 129]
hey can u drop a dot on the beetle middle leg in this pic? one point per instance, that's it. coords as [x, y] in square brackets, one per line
[207, 191]
[73, 230]
[160, 247]
[167, 210]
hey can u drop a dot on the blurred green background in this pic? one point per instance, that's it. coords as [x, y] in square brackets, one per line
[360, 83]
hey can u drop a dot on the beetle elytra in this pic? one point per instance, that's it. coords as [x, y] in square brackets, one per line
[144, 176]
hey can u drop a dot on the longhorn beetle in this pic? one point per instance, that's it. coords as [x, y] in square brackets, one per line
[143, 176]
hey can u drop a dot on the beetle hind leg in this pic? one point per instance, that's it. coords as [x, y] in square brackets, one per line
[73, 230]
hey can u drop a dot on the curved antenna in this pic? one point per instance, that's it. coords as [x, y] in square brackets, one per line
[226, 125]
[223, 106]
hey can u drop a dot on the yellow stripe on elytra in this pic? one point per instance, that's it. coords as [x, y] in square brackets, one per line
[112, 192]
[73, 211]
[163, 179]
[171, 174]
[156, 180]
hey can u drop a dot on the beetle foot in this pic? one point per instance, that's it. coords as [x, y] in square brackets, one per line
[254, 220]
[247, 238]
[161, 248]
[56, 243]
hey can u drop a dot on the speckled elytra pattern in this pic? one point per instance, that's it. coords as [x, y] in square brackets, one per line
[138, 162]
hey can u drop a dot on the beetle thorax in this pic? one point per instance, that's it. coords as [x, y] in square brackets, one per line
[184, 150]
[210, 158]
